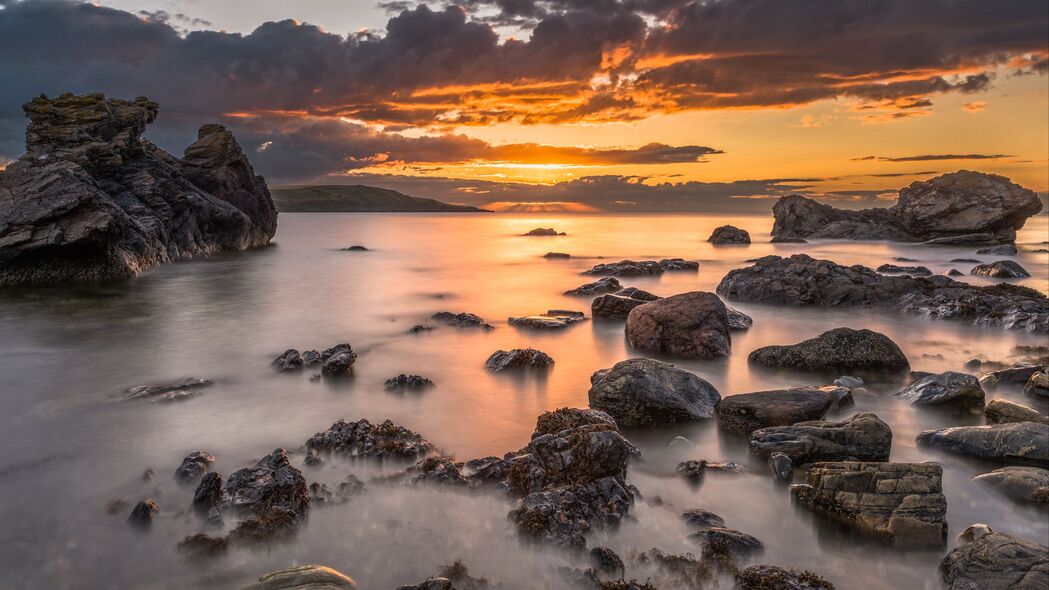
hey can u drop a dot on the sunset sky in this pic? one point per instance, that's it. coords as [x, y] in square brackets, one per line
[646, 105]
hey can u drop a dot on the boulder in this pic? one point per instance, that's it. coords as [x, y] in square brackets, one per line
[691, 325]
[842, 350]
[598, 287]
[1000, 411]
[1020, 442]
[518, 358]
[862, 437]
[746, 412]
[92, 200]
[969, 206]
[553, 319]
[801, 280]
[645, 392]
[544, 231]
[1022, 484]
[338, 360]
[729, 234]
[143, 513]
[948, 388]
[303, 577]
[917, 271]
[1003, 269]
[996, 561]
[271, 483]
[404, 382]
[1037, 384]
[898, 502]
[193, 467]
[617, 306]
[461, 320]
[288, 362]
[364, 439]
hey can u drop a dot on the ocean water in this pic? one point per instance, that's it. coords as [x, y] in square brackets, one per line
[68, 450]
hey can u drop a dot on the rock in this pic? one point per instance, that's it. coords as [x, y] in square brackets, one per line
[999, 250]
[770, 577]
[1003, 269]
[437, 470]
[948, 388]
[966, 260]
[1020, 372]
[92, 200]
[803, 281]
[544, 231]
[737, 320]
[954, 272]
[312, 357]
[552, 319]
[863, 437]
[680, 442]
[289, 361]
[303, 577]
[1038, 384]
[209, 493]
[691, 325]
[996, 561]
[193, 467]
[143, 513]
[617, 306]
[630, 268]
[746, 412]
[518, 358]
[461, 320]
[558, 255]
[702, 519]
[430, 584]
[1022, 484]
[917, 271]
[898, 502]
[563, 515]
[364, 439]
[606, 561]
[598, 287]
[404, 382]
[645, 392]
[201, 546]
[693, 469]
[116, 505]
[974, 239]
[849, 381]
[1000, 411]
[419, 328]
[159, 393]
[839, 350]
[272, 483]
[356, 248]
[313, 458]
[678, 264]
[728, 542]
[969, 205]
[729, 234]
[781, 466]
[347, 489]
[338, 360]
[1023, 442]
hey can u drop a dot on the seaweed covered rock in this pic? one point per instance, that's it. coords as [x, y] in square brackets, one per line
[644, 392]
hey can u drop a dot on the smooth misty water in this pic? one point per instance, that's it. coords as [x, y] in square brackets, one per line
[67, 450]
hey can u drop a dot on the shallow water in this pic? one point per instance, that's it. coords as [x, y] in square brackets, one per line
[67, 450]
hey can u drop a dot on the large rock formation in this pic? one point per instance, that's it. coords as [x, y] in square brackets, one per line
[91, 199]
[692, 325]
[804, 281]
[644, 392]
[961, 207]
[996, 561]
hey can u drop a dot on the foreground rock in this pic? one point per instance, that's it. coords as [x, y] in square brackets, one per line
[92, 200]
[645, 392]
[898, 502]
[841, 350]
[1021, 372]
[303, 577]
[863, 437]
[691, 325]
[518, 358]
[746, 412]
[1022, 442]
[996, 561]
[617, 306]
[272, 495]
[630, 268]
[729, 234]
[553, 319]
[975, 206]
[1003, 269]
[949, 388]
[1000, 411]
[598, 287]
[353, 440]
[177, 391]
[804, 281]
[1022, 484]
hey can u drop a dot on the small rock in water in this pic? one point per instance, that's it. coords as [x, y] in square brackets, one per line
[419, 328]
[631, 268]
[143, 513]
[338, 360]
[693, 469]
[737, 320]
[598, 287]
[849, 381]
[209, 493]
[1000, 250]
[916, 271]
[404, 382]
[148, 474]
[966, 261]
[312, 357]
[518, 358]
[903, 259]
[273, 496]
[1000, 411]
[289, 361]
[1022, 442]
[545, 231]
[202, 546]
[347, 489]
[170, 392]
[729, 234]
[948, 388]
[364, 439]
[304, 577]
[680, 442]
[606, 561]
[1038, 384]
[781, 466]
[193, 467]
[771, 577]
[838, 350]
[954, 272]
[702, 519]
[552, 319]
[617, 306]
[1003, 269]
[355, 249]
[727, 541]
[560, 255]
[461, 320]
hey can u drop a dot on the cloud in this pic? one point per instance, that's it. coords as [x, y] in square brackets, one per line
[931, 157]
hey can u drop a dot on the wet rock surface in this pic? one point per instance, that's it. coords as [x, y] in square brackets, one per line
[304, 577]
[143, 513]
[996, 561]
[842, 350]
[270, 493]
[289, 361]
[1022, 442]
[643, 392]
[598, 287]
[862, 437]
[1000, 411]
[1037, 384]
[193, 467]
[631, 268]
[461, 320]
[690, 325]
[703, 519]
[729, 541]
[898, 502]
[338, 360]
[746, 412]
[617, 306]
[804, 281]
[177, 391]
[518, 358]
[92, 200]
[404, 382]
[1022, 484]
[948, 388]
[737, 320]
[364, 439]
[917, 271]
[729, 234]
[551, 320]
[769, 577]
[1003, 269]
[544, 231]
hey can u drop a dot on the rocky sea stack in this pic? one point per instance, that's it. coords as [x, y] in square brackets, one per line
[92, 200]
[962, 207]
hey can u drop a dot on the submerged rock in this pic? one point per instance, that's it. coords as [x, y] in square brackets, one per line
[746, 412]
[518, 358]
[645, 392]
[1022, 484]
[1025, 442]
[948, 388]
[404, 382]
[303, 577]
[607, 561]
[552, 319]
[364, 439]
[1020, 372]
[696, 470]
[999, 250]
[143, 513]
[356, 248]
[996, 561]
[209, 493]
[201, 546]
[342, 493]
[917, 271]
[92, 200]
[863, 437]
[272, 483]
[176, 391]
[729, 542]
[1000, 411]
[193, 467]
[1003, 269]
[544, 231]
[737, 320]
[978, 206]
[691, 325]
[839, 350]
[702, 519]
[898, 502]
[781, 466]
[804, 281]
[557, 255]
[729, 234]
[461, 320]
[598, 287]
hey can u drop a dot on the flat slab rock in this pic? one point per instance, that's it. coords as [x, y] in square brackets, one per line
[552, 319]
[746, 412]
[1022, 442]
[364, 439]
[842, 350]
[177, 391]
[902, 503]
[645, 392]
[862, 437]
[996, 561]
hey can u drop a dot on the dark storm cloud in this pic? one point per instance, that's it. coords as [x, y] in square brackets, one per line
[931, 157]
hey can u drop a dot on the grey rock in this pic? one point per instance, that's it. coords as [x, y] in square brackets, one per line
[1038, 384]
[645, 392]
[143, 513]
[209, 493]
[729, 234]
[1021, 372]
[461, 320]
[617, 306]
[691, 325]
[518, 358]
[737, 320]
[1021, 442]
[363, 439]
[193, 467]
[839, 350]
[1000, 411]
[544, 231]
[917, 271]
[338, 360]
[948, 388]
[1003, 269]
[781, 466]
[312, 357]
[631, 268]
[999, 250]
[1022, 484]
[304, 577]
[996, 561]
[849, 381]
[289, 361]
[271, 482]
[404, 382]
[598, 287]
[746, 412]
[729, 542]
[552, 319]
[862, 437]
[702, 519]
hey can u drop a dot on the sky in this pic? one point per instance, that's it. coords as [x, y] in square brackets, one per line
[619, 105]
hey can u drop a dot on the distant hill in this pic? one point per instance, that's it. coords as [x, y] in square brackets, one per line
[357, 198]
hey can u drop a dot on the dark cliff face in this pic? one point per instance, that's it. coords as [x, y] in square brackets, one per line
[977, 207]
[92, 200]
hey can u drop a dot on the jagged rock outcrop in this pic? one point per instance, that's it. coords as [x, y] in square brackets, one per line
[842, 350]
[272, 495]
[862, 437]
[92, 200]
[898, 502]
[1020, 442]
[995, 561]
[645, 392]
[961, 207]
[805, 281]
[691, 325]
